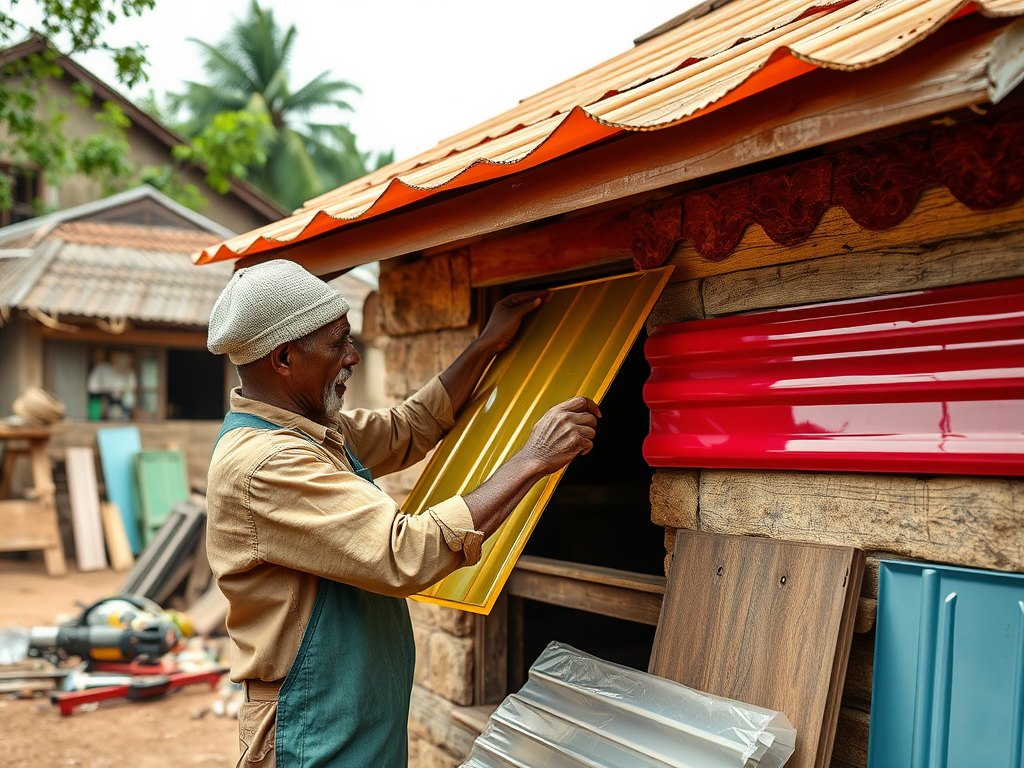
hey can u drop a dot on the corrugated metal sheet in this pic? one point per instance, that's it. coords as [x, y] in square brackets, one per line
[948, 684]
[573, 344]
[118, 282]
[927, 382]
[733, 52]
[578, 711]
[115, 271]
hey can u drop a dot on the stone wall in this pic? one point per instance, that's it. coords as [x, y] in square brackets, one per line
[969, 521]
[426, 309]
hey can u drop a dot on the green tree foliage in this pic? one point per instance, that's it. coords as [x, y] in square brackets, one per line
[247, 72]
[31, 126]
[232, 143]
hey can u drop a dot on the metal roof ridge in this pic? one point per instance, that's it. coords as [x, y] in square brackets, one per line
[143, 191]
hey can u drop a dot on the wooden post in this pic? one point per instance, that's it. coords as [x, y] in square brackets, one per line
[44, 491]
[516, 672]
[490, 650]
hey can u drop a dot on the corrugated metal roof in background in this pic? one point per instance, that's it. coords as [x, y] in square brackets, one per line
[106, 281]
[144, 273]
[701, 65]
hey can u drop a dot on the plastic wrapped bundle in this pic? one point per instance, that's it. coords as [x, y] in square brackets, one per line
[576, 710]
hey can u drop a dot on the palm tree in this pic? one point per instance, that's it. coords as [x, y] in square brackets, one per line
[248, 70]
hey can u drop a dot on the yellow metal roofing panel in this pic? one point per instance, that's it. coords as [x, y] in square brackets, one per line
[739, 49]
[573, 344]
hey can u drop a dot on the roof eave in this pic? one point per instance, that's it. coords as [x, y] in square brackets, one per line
[926, 81]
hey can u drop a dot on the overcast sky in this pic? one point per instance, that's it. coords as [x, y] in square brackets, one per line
[427, 68]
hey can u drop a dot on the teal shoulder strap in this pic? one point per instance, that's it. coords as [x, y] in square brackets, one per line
[236, 420]
[357, 467]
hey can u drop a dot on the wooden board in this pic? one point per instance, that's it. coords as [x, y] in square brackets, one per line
[970, 521]
[938, 217]
[118, 547]
[765, 622]
[118, 447]
[85, 509]
[161, 482]
[595, 589]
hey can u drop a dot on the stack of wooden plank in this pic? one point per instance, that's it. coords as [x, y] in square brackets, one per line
[170, 558]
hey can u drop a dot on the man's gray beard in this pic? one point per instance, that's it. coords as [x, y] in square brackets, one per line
[333, 402]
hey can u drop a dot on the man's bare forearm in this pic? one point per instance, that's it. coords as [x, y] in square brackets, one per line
[495, 499]
[460, 378]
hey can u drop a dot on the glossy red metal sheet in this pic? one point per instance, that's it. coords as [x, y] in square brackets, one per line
[929, 382]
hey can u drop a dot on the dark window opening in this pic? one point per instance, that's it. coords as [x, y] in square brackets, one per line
[600, 514]
[195, 385]
[615, 640]
[26, 190]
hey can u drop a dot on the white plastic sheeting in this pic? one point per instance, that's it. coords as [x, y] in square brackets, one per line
[577, 710]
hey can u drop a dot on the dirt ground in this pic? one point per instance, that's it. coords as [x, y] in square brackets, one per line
[144, 734]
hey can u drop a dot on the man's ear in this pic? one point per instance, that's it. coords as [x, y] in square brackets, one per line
[282, 359]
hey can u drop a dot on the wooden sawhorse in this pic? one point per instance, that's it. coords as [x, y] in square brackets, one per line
[30, 524]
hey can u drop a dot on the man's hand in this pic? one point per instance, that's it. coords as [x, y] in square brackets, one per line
[563, 433]
[506, 318]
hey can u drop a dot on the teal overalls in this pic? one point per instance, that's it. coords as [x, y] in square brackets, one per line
[345, 700]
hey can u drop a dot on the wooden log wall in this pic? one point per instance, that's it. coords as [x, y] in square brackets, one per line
[969, 521]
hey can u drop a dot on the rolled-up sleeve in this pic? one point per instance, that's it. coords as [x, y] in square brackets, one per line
[392, 439]
[308, 515]
[456, 523]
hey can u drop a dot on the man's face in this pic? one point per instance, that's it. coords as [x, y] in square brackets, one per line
[329, 355]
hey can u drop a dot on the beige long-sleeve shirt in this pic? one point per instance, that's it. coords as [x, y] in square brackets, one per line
[285, 511]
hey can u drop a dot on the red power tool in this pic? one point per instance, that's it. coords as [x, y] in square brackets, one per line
[139, 688]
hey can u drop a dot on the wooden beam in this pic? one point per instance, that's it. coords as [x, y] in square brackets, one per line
[971, 521]
[586, 241]
[135, 337]
[938, 216]
[606, 591]
[940, 74]
[940, 244]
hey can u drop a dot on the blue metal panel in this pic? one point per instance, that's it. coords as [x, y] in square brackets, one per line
[118, 447]
[948, 687]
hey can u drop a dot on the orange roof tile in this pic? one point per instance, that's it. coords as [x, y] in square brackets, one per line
[168, 239]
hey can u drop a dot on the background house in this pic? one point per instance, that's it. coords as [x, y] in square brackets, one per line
[149, 144]
[102, 306]
[102, 290]
[777, 156]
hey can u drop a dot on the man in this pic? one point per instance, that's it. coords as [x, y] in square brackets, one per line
[314, 559]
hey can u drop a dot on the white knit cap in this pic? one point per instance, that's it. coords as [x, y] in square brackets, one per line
[265, 305]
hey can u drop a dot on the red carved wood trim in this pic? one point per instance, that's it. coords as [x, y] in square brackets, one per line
[878, 185]
[654, 230]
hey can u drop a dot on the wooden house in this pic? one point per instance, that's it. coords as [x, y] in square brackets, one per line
[101, 305]
[150, 143]
[792, 161]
